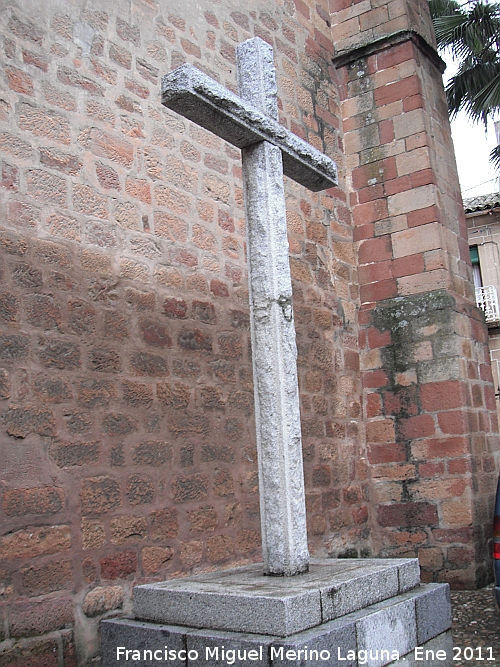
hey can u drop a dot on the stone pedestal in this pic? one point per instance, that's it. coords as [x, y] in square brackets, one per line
[335, 615]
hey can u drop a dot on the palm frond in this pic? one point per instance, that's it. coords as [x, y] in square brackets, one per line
[465, 88]
[475, 31]
[443, 7]
[489, 96]
[495, 157]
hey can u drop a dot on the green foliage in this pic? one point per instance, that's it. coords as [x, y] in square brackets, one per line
[471, 32]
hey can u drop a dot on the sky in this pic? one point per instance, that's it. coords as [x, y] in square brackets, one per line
[472, 148]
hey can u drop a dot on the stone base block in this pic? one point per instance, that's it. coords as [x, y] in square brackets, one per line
[380, 634]
[242, 600]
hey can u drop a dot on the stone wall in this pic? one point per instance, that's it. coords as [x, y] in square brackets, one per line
[128, 442]
[431, 429]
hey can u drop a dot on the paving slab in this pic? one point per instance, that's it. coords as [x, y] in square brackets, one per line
[147, 640]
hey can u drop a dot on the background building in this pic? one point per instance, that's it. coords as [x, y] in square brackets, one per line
[483, 224]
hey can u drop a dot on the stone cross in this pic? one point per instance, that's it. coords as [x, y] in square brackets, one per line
[250, 122]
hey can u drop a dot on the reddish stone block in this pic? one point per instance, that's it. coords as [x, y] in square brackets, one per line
[102, 599]
[458, 535]
[408, 266]
[423, 177]
[396, 185]
[10, 177]
[72, 78]
[394, 452]
[127, 32]
[403, 402]
[99, 494]
[38, 500]
[48, 577]
[19, 81]
[36, 652]
[395, 55]
[423, 216]
[175, 308]
[164, 523]
[420, 426]
[187, 489]
[413, 102]
[380, 431]
[155, 334]
[459, 466]
[118, 565]
[21, 421]
[140, 490]
[371, 193]
[363, 232]
[439, 448]
[219, 548]
[454, 422]
[370, 212]
[120, 56]
[436, 396]
[194, 339]
[373, 405]
[431, 469]
[378, 271]
[321, 476]
[378, 291]
[104, 144]
[351, 360]
[38, 618]
[375, 250]
[377, 338]
[218, 288]
[392, 92]
[25, 30]
[386, 131]
[375, 379]
[407, 515]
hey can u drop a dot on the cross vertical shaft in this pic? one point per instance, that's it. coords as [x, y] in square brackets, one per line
[274, 352]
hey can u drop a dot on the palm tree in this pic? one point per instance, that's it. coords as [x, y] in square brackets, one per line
[471, 31]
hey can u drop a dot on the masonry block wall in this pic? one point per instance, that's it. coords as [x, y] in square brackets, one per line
[127, 435]
[431, 427]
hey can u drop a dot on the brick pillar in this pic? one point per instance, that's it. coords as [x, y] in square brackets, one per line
[431, 425]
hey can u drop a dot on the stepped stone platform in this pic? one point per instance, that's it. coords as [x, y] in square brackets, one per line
[342, 613]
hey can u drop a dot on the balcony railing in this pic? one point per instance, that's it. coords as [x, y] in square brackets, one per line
[487, 300]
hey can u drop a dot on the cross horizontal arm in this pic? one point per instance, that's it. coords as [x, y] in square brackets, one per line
[199, 98]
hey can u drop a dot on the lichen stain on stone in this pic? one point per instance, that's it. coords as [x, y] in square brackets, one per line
[402, 316]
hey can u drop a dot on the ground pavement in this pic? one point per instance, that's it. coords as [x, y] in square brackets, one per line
[476, 623]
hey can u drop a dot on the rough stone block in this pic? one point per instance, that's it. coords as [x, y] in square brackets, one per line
[433, 611]
[409, 574]
[218, 649]
[354, 589]
[205, 604]
[332, 641]
[138, 636]
[379, 634]
[437, 651]
[389, 627]
[243, 600]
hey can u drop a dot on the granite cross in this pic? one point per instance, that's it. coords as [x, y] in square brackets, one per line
[250, 122]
